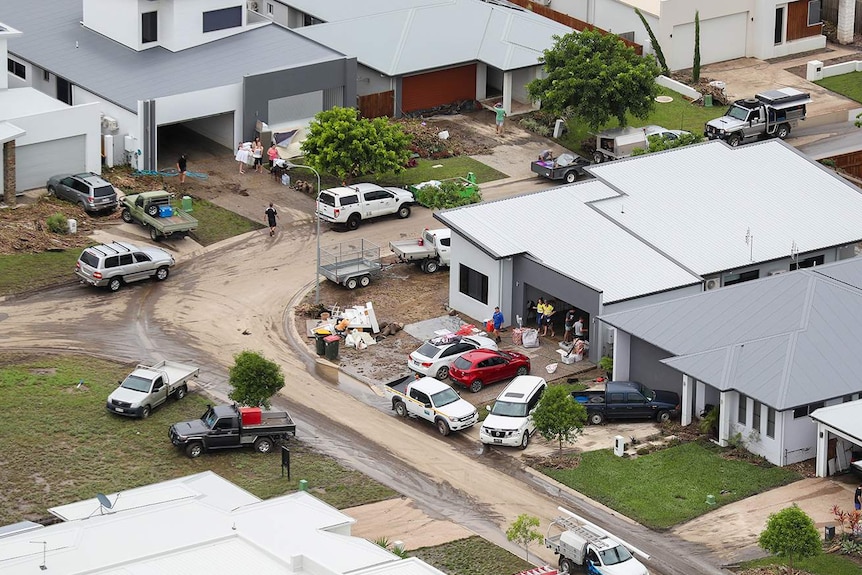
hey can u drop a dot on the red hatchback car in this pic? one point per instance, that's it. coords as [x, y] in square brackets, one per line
[476, 369]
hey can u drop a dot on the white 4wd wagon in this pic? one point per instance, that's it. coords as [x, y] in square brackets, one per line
[349, 205]
[112, 265]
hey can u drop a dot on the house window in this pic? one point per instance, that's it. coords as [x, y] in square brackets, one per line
[268, 8]
[806, 410]
[64, 90]
[46, 75]
[814, 13]
[770, 422]
[16, 68]
[731, 279]
[473, 284]
[808, 263]
[779, 25]
[149, 27]
[310, 20]
[223, 19]
[755, 417]
[742, 415]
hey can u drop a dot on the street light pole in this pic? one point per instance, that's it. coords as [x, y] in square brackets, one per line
[317, 217]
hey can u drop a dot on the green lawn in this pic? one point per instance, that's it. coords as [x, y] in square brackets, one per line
[827, 564]
[669, 486]
[217, 223]
[677, 115]
[849, 85]
[449, 168]
[26, 272]
[472, 556]
[60, 444]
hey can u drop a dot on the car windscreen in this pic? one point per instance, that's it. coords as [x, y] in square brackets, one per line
[89, 259]
[444, 397]
[509, 409]
[103, 191]
[738, 112]
[348, 200]
[428, 350]
[136, 383]
[462, 363]
[327, 199]
[615, 555]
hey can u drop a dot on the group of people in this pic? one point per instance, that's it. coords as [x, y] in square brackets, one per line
[254, 151]
[574, 324]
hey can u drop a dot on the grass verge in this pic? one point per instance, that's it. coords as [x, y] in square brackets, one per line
[849, 85]
[680, 114]
[471, 556]
[60, 445]
[216, 223]
[448, 168]
[27, 272]
[826, 564]
[651, 490]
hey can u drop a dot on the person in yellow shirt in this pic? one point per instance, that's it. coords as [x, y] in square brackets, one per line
[547, 320]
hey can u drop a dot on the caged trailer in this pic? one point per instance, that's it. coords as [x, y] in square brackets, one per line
[351, 264]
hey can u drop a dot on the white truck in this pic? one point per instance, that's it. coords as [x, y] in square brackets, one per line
[768, 115]
[430, 252]
[432, 400]
[585, 545]
[350, 205]
[149, 386]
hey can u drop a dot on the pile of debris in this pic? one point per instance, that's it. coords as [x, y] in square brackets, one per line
[25, 228]
[427, 142]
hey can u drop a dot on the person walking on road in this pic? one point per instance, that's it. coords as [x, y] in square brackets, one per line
[182, 164]
[271, 215]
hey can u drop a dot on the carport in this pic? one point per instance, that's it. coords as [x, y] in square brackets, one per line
[839, 436]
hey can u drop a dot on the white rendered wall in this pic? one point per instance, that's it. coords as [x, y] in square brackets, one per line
[126, 120]
[369, 81]
[619, 17]
[463, 252]
[119, 20]
[64, 123]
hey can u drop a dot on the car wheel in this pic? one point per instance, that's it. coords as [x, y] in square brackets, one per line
[442, 373]
[571, 177]
[52, 191]
[404, 212]
[662, 416]
[596, 418]
[351, 283]
[152, 210]
[194, 449]
[476, 386]
[598, 157]
[263, 445]
[443, 427]
[115, 284]
[567, 566]
[783, 131]
[145, 412]
[154, 234]
[126, 215]
[525, 440]
[180, 392]
[430, 266]
[162, 273]
[734, 140]
[400, 409]
[523, 370]
[353, 222]
[364, 281]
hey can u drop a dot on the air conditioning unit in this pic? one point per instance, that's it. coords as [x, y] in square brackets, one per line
[252, 5]
[711, 284]
[110, 123]
[777, 272]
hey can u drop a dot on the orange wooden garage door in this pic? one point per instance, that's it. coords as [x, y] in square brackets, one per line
[432, 89]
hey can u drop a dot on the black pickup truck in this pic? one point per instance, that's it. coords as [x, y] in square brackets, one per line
[627, 400]
[227, 426]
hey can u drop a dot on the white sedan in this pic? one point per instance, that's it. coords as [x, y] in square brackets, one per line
[435, 356]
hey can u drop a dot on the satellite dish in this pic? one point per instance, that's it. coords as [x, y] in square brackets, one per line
[104, 501]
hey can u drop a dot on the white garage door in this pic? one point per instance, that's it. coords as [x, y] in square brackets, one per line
[35, 163]
[720, 39]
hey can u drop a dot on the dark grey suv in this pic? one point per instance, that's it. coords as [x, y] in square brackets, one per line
[112, 265]
[88, 190]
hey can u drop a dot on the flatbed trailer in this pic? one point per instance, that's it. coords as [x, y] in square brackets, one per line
[351, 264]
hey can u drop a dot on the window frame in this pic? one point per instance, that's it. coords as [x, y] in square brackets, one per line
[16, 68]
[755, 416]
[221, 19]
[473, 284]
[149, 27]
[770, 423]
[818, 13]
[742, 410]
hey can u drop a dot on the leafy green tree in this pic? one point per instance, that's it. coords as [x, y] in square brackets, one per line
[658, 144]
[791, 533]
[341, 143]
[695, 68]
[522, 531]
[447, 195]
[655, 45]
[254, 379]
[558, 416]
[595, 77]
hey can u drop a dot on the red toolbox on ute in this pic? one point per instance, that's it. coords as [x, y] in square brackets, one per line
[250, 415]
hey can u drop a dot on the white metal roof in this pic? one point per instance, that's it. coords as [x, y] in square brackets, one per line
[697, 203]
[843, 417]
[20, 102]
[201, 535]
[560, 229]
[415, 36]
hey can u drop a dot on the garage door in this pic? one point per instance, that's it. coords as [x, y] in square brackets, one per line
[425, 91]
[35, 163]
[720, 39]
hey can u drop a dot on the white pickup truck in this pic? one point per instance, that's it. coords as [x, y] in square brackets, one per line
[429, 252]
[149, 386]
[431, 400]
[350, 205]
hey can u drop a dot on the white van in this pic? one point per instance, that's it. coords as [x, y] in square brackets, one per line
[510, 421]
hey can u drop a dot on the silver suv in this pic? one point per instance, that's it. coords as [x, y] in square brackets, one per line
[118, 263]
[88, 190]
